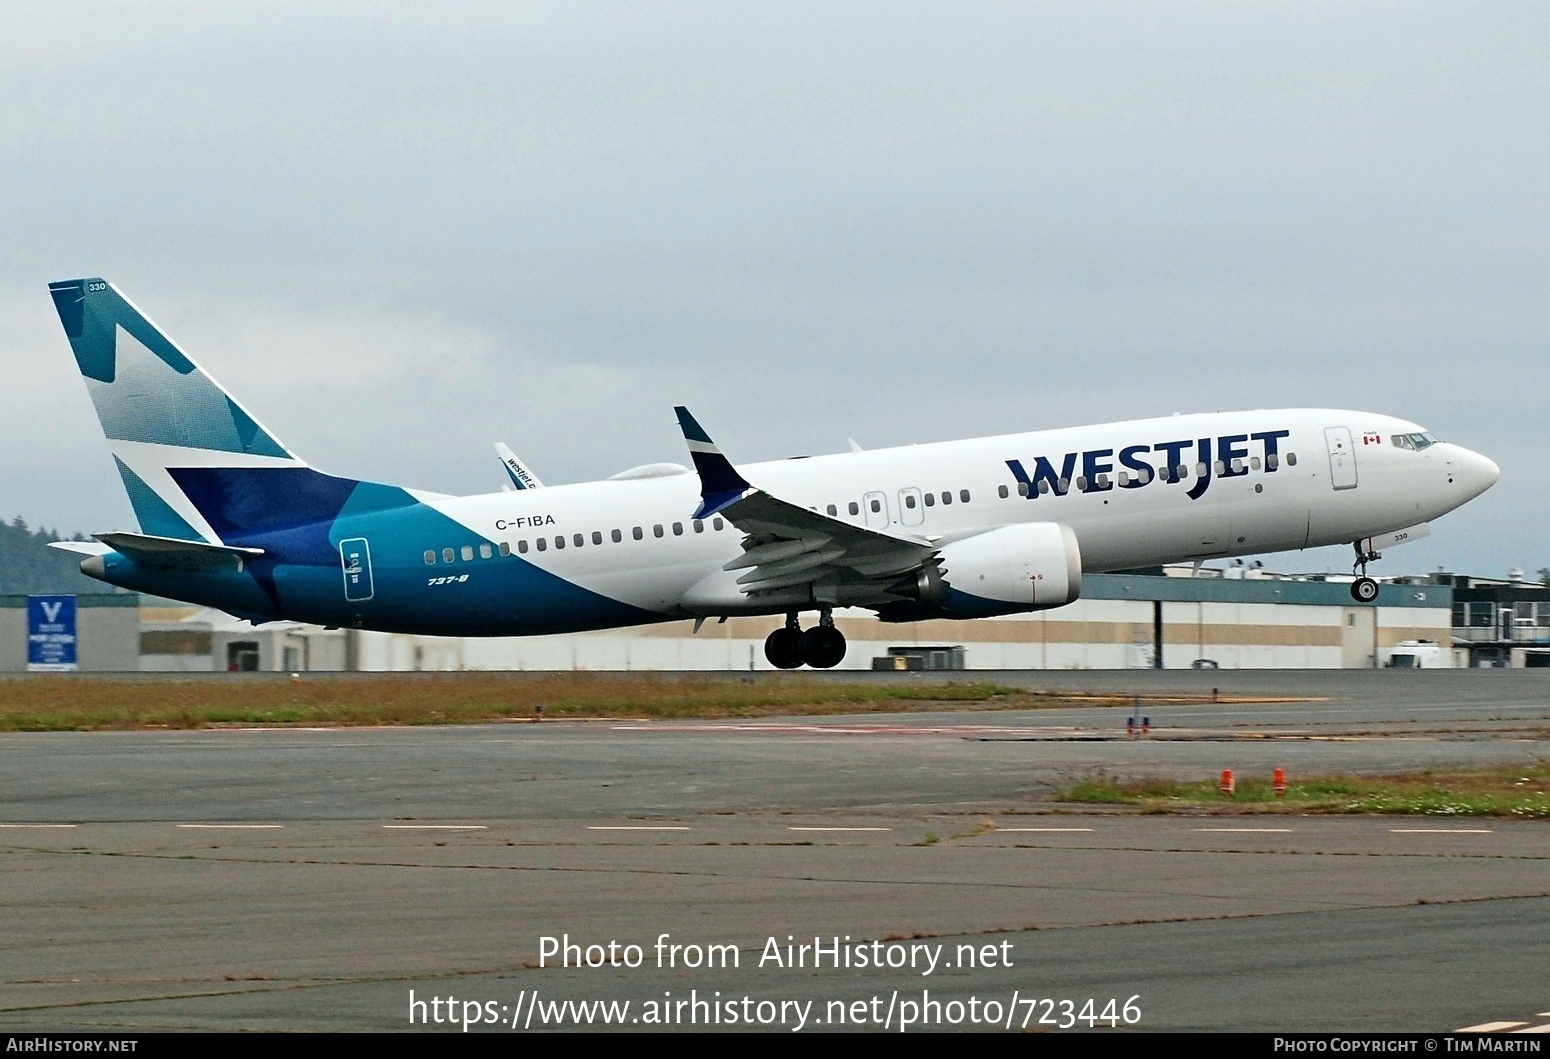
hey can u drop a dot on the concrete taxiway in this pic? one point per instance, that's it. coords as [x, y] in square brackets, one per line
[312, 879]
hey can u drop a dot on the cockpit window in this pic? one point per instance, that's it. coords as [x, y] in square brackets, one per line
[1414, 442]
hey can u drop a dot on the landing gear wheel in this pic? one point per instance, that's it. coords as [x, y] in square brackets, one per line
[1364, 590]
[823, 647]
[783, 648]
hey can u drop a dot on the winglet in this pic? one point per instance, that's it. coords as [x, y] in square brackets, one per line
[720, 484]
[521, 477]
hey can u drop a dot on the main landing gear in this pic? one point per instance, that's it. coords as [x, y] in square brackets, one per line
[1364, 589]
[822, 646]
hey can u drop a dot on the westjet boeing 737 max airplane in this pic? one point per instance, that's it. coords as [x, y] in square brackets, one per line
[231, 518]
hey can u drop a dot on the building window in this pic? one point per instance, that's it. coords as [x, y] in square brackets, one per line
[430, 558]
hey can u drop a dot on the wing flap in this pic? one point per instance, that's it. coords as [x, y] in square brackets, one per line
[787, 545]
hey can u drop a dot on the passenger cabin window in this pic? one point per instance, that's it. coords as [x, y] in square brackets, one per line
[597, 536]
[1272, 462]
[699, 527]
[717, 523]
[963, 495]
[931, 500]
[468, 553]
[448, 555]
[522, 547]
[636, 533]
[1022, 488]
[656, 531]
[1081, 483]
[430, 558]
[877, 505]
[1291, 459]
[578, 540]
[543, 545]
[909, 502]
[854, 508]
[485, 551]
[1002, 491]
[678, 529]
[505, 549]
[617, 536]
[947, 497]
[559, 542]
[833, 510]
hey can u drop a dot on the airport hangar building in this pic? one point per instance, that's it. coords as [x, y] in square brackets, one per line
[1234, 618]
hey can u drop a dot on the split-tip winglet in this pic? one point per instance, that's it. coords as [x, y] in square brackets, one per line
[720, 484]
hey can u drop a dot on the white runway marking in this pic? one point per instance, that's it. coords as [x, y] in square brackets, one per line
[37, 825]
[1489, 1027]
[636, 827]
[1441, 831]
[839, 829]
[1026, 829]
[435, 827]
[1246, 830]
[235, 827]
[1535, 1029]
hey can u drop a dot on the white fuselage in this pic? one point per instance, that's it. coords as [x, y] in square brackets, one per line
[1274, 480]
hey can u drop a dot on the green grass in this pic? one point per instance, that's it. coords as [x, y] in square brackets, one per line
[45, 703]
[1504, 790]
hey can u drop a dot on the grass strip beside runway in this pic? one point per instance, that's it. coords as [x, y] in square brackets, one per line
[48, 703]
[1505, 790]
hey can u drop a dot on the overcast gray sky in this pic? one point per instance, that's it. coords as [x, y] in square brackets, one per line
[400, 233]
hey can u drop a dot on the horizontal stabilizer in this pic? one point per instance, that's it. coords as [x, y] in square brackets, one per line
[170, 553]
[81, 547]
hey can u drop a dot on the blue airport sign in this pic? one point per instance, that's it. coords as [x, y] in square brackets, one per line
[51, 633]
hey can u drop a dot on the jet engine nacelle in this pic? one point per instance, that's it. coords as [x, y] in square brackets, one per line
[1032, 566]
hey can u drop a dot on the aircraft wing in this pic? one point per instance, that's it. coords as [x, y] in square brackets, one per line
[785, 544]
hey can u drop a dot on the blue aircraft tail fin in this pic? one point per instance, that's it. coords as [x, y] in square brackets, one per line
[196, 464]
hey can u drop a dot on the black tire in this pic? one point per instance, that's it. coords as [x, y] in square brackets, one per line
[823, 647]
[783, 648]
[1364, 590]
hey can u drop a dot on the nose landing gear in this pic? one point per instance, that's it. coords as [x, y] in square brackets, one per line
[822, 646]
[1364, 589]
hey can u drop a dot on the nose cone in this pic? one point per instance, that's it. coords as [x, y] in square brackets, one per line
[1476, 473]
